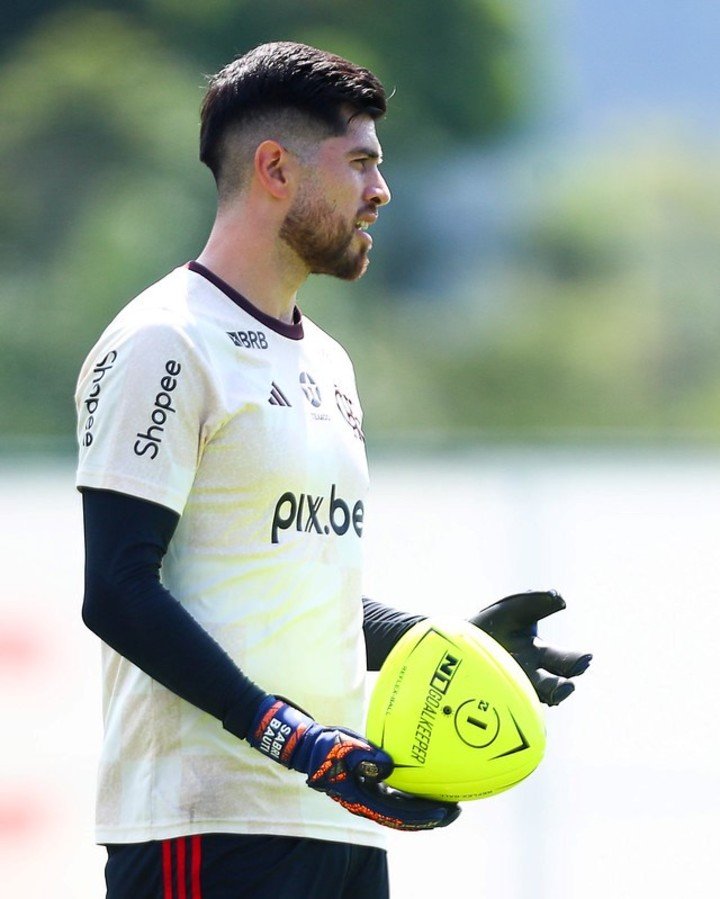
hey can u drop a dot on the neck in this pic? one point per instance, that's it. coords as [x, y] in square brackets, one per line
[253, 260]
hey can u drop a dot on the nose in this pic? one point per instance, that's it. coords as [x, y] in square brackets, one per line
[378, 193]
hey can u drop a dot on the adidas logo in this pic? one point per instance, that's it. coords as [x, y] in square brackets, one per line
[277, 397]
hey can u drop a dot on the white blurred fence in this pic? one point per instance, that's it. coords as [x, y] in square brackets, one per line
[623, 805]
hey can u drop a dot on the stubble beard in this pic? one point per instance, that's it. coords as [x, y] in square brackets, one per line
[314, 230]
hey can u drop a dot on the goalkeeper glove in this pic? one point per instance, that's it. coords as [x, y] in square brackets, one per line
[512, 622]
[344, 766]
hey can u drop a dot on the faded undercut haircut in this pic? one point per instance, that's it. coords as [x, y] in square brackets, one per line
[280, 91]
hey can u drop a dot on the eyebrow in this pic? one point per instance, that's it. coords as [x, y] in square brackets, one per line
[370, 152]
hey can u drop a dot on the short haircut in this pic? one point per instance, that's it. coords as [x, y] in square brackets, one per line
[288, 83]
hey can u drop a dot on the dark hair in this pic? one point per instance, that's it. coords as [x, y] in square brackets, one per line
[285, 76]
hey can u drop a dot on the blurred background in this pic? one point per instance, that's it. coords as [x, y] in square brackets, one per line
[536, 344]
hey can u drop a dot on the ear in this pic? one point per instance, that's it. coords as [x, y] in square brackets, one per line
[273, 168]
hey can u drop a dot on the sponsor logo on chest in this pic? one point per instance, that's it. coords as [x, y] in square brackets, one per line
[251, 340]
[279, 396]
[310, 514]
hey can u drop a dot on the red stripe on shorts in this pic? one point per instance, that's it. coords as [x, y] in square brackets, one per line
[175, 868]
[167, 869]
[180, 849]
[195, 847]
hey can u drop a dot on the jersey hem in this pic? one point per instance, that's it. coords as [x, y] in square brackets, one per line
[330, 833]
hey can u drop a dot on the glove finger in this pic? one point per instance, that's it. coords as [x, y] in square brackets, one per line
[374, 769]
[550, 690]
[337, 753]
[367, 760]
[408, 812]
[562, 662]
[521, 610]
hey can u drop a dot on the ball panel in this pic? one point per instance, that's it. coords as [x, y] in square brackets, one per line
[456, 713]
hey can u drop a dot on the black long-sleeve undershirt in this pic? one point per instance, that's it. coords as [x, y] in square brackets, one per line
[383, 627]
[126, 605]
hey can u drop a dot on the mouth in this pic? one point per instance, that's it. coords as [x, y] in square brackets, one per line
[361, 228]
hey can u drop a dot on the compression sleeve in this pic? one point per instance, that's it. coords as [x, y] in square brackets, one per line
[383, 627]
[126, 605]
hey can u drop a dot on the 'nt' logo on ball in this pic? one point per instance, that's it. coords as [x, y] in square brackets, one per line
[437, 688]
[444, 673]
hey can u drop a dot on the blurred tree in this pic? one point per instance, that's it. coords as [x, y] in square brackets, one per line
[605, 314]
[102, 193]
[101, 185]
[608, 313]
[459, 67]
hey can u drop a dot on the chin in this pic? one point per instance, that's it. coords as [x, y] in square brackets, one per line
[359, 267]
[348, 270]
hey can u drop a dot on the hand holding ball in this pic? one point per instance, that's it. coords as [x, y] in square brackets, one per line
[457, 714]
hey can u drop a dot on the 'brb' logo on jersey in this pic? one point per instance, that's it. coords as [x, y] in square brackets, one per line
[315, 515]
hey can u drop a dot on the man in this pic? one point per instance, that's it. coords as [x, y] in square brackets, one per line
[223, 473]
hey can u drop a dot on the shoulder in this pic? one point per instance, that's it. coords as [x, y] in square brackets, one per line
[157, 330]
[165, 306]
[160, 314]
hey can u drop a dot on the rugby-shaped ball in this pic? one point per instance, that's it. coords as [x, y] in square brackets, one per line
[456, 712]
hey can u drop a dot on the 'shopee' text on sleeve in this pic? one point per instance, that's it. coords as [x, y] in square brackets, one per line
[142, 402]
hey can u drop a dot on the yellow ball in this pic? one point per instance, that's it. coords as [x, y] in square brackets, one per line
[457, 714]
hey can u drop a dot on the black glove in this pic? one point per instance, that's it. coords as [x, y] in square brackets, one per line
[512, 622]
[344, 766]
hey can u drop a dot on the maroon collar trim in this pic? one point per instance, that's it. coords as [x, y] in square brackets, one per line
[293, 331]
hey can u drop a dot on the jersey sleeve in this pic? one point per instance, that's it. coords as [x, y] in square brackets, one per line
[144, 404]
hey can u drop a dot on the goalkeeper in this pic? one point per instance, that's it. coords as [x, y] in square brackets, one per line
[223, 476]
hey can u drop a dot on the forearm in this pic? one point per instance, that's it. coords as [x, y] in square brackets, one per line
[383, 627]
[126, 605]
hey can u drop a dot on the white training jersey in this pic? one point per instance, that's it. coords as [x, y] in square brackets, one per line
[250, 429]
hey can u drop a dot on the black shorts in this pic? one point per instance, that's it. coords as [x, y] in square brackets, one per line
[227, 866]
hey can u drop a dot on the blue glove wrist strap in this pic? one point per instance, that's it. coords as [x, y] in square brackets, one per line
[277, 730]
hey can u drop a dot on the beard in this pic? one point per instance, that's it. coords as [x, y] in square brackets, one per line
[322, 239]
